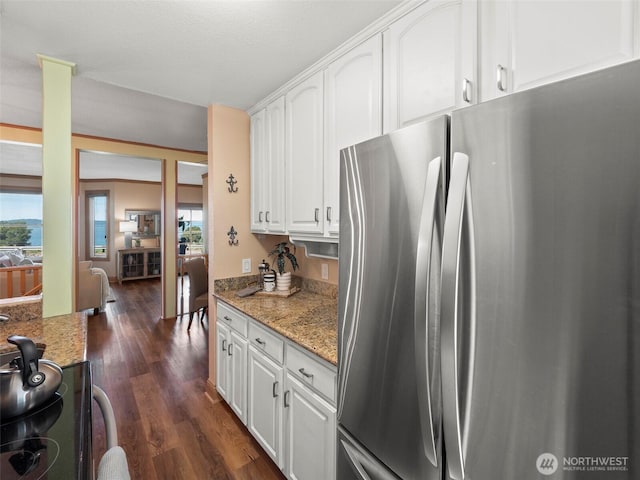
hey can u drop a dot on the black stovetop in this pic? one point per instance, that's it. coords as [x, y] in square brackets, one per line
[52, 441]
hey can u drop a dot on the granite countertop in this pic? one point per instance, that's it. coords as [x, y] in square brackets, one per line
[65, 336]
[309, 319]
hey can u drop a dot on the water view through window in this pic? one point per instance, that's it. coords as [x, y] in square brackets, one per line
[97, 224]
[21, 219]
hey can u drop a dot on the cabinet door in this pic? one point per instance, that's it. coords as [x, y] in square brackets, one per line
[304, 156]
[311, 434]
[258, 159]
[222, 344]
[430, 58]
[238, 375]
[353, 113]
[533, 43]
[264, 407]
[274, 175]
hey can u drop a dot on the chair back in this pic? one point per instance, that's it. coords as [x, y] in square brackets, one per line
[198, 278]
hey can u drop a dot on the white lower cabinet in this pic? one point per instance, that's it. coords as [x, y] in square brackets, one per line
[231, 358]
[284, 394]
[231, 369]
[237, 357]
[265, 403]
[222, 377]
[310, 433]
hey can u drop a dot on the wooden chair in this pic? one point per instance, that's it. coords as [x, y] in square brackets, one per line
[198, 287]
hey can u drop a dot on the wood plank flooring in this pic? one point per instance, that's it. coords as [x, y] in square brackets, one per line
[155, 373]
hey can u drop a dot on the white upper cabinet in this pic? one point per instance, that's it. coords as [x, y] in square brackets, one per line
[258, 159]
[267, 169]
[304, 106]
[275, 213]
[353, 113]
[526, 44]
[430, 62]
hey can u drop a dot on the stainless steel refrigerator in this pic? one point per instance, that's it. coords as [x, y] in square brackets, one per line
[489, 290]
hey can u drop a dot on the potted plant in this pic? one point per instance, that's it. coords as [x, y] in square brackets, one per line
[282, 252]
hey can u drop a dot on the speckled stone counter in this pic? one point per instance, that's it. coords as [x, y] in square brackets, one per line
[65, 336]
[22, 308]
[307, 318]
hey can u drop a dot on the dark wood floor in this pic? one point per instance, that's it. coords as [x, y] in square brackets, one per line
[155, 373]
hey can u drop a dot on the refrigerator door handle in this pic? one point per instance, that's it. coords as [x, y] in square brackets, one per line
[421, 320]
[450, 324]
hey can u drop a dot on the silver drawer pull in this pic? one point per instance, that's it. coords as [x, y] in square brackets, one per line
[316, 215]
[275, 389]
[224, 345]
[229, 351]
[286, 398]
[228, 319]
[260, 341]
[308, 375]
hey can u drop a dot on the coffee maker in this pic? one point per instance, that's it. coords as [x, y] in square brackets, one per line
[263, 268]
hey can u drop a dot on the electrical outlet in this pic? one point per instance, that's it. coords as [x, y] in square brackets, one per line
[324, 268]
[246, 265]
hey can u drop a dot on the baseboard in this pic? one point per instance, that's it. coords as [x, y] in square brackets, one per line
[210, 392]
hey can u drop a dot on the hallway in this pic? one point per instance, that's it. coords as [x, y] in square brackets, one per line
[155, 373]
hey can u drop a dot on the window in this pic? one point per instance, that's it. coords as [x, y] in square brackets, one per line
[190, 229]
[21, 220]
[97, 225]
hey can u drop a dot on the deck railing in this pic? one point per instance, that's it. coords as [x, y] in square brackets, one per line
[20, 281]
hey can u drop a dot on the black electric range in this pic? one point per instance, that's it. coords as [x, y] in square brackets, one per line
[52, 441]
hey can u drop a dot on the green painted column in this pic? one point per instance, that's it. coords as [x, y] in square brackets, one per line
[170, 238]
[57, 187]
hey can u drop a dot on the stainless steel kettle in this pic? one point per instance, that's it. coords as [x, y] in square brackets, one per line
[26, 381]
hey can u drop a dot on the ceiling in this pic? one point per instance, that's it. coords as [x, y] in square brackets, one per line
[147, 70]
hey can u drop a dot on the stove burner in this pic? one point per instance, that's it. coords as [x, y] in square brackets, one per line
[43, 443]
[22, 458]
[24, 462]
[25, 442]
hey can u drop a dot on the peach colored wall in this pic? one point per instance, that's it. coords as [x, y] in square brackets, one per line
[310, 267]
[190, 194]
[122, 195]
[229, 154]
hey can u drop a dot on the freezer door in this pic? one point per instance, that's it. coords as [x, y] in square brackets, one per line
[355, 463]
[540, 313]
[392, 203]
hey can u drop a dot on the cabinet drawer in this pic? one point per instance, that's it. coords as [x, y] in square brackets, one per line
[312, 372]
[266, 341]
[232, 318]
